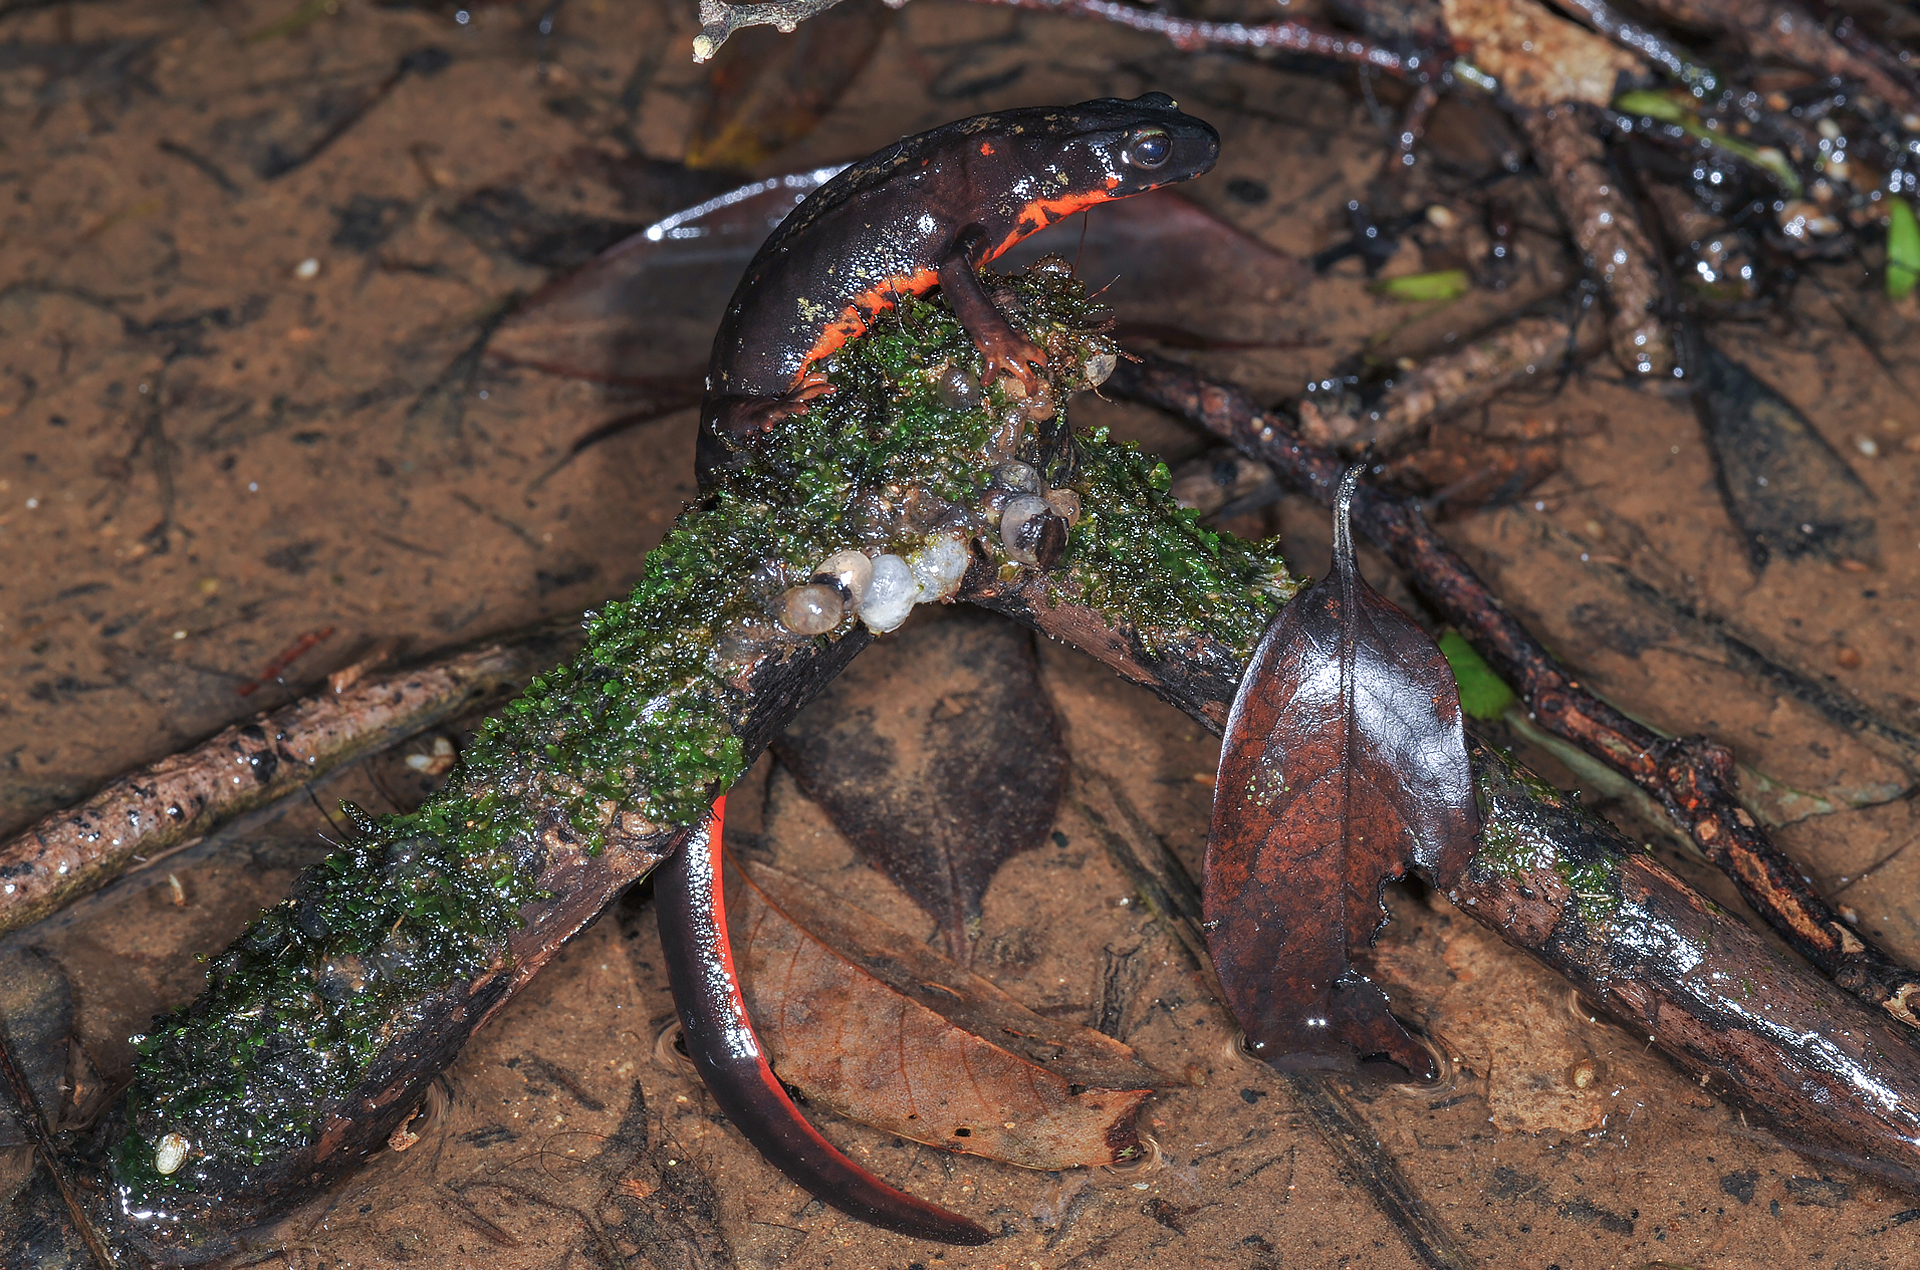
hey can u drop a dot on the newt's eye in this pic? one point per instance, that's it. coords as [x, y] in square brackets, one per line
[1148, 148]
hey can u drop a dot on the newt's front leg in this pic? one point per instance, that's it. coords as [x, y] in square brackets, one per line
[732, 1062]
[1004, 349]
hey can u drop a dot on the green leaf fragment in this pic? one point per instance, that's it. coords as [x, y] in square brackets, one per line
[1678, 109]
[1420, 288]
[1903, 249]
[1483, 694]
[1654, 104]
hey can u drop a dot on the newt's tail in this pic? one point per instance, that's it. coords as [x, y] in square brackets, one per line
[729, 1057]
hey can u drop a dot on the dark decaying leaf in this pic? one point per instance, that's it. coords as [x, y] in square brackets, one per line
[939, 757]
[1783, 484]
[36, 1024]
[767, 89]
[1344, 764]
[641, 314]
[869, 1021]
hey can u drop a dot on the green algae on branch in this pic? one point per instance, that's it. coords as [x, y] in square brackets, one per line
[637, 734]
[1140, 558]
[1523, 835]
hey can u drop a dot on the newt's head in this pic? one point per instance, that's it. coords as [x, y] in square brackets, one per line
[1130, 147]
[1063, 159]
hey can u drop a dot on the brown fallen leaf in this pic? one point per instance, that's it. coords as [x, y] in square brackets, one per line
[1460, 474]
[1540, 58]
[866, 1020]
[1343, 765]
[640, 315]
[939, 757]
[1176, 274]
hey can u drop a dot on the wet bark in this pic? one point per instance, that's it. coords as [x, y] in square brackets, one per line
[1453, 382]
[1606, 229]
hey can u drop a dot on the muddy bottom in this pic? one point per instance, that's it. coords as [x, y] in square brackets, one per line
[249, 269]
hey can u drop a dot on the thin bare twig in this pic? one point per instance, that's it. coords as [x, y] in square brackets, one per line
[146, 814]
[1606, 228]
[1452, 382]
[1189, 34]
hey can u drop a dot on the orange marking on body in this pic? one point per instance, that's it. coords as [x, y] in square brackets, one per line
[854, 319]
[986, 149]
[1042, 212]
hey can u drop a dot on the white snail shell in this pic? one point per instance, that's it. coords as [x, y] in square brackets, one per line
[1013, 474]
[939, 566]
[890, 594]
[171, 1153]
[849, 570]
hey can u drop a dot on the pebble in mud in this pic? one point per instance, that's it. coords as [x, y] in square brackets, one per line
[170, 1154]
[890, 594]
[811, 609]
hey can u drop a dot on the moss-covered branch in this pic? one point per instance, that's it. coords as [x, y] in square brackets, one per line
[321, 1025]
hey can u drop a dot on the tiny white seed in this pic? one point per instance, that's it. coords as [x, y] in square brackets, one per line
[171, 1153]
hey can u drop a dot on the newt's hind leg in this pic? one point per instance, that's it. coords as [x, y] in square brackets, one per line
[732, 1062]
[730, 426]
[1006, 351]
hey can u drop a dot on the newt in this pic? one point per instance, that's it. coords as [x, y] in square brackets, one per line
[926, 211]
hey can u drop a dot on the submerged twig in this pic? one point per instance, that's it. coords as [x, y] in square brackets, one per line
[1606, 229]
[1452, 382]
[1782, 30]
[149, 813]
[1692, 776]
[1189, 34]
